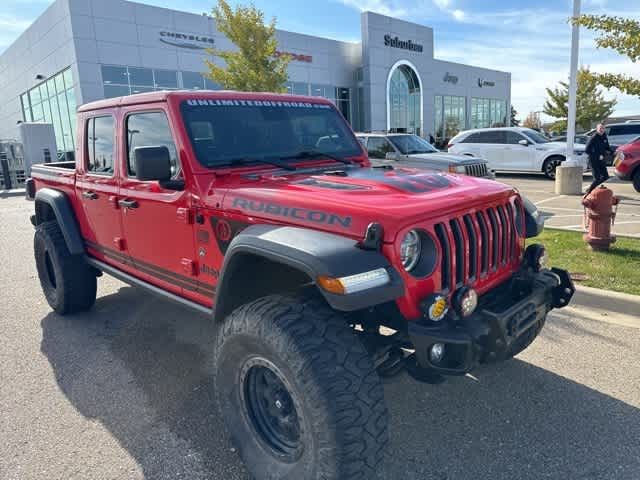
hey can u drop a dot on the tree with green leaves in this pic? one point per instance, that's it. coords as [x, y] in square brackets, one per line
[591, 106]
[514, 121]
[254, 66]
[619, 34]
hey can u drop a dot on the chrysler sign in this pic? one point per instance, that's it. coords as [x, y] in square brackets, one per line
[395, 42]
[186, 40]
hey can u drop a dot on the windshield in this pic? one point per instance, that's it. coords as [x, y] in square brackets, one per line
[229, 131]
[535, 136]
[410, 144]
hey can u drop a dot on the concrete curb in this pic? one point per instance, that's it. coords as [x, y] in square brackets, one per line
[16, 192]
[574, 230]
[613, 304]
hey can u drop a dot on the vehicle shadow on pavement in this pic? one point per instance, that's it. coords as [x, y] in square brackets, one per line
[141, 367]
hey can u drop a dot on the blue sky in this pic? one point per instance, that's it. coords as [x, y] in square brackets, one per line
[529, 38]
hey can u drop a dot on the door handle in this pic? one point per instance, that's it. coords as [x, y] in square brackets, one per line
[128, 203]
[88, 194]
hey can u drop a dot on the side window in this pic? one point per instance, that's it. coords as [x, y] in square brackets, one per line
[473, 138]
[378, 147]
[633, 129]
[149, 129]
[513, 138]
[615, 130]
[363, 141]
[494, 136]
[100, 145]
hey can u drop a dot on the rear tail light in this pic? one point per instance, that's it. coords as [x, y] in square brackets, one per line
[449, 146]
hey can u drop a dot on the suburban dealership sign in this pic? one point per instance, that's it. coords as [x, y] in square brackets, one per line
[485, 83]
[186, 40]
[297, 57]
[395, 42]
[448, 78]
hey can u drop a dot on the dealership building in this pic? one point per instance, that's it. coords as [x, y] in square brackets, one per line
[78, 51]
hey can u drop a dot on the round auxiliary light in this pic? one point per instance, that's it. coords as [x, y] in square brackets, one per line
[410, 250]
[436, 353]
[466, 301]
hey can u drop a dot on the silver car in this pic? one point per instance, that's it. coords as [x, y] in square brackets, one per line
[407, 150]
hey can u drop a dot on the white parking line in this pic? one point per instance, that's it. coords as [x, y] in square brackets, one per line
[549, 199]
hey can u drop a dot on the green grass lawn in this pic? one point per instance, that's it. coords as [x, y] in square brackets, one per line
[618, 269]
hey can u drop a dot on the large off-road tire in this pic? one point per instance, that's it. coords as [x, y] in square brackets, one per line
[527, 339]
[68, 283]
[299, 393]
[636, 180]
[550, 165]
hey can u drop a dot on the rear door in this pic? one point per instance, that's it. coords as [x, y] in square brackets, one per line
[516, 156]
[490, 146]
[157, 221]
[97, 188]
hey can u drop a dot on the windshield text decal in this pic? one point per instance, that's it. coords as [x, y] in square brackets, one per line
[194, 102]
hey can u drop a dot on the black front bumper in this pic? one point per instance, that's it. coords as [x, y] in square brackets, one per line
[504, 317]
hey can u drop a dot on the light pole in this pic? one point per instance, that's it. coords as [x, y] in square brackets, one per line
[569, 174]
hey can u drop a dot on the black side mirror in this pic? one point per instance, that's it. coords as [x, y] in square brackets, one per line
[152, 163]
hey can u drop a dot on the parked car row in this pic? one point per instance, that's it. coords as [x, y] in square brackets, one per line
[515, 149]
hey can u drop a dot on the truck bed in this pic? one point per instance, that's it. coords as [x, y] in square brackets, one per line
[58, 175]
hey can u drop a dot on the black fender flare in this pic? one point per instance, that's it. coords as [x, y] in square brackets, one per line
[534, 222]
[61, 207]
[313, 253]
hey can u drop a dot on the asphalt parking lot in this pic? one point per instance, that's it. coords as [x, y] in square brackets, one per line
[124, 392]
[566, 211]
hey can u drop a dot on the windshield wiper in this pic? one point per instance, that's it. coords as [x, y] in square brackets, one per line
[317, 154]
[268, 160]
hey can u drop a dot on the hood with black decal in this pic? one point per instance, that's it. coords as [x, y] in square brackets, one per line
[347, 200]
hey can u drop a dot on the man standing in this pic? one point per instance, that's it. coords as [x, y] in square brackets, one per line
[597, 147]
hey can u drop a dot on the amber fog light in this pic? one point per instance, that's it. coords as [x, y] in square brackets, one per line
[466, 301]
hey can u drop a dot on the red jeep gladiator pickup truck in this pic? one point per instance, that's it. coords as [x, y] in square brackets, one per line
[323, 273]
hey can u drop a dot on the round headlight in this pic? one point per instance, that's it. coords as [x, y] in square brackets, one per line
[410, 250]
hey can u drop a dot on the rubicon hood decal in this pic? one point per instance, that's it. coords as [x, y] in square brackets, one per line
[291, 211]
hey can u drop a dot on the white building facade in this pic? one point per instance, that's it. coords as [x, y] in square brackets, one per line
[78, 51]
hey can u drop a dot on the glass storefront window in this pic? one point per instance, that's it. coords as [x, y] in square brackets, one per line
[114, 74]
[59, 82]
[111, 91]
[68, 80]
[297, 88]
[135, 89]
[211, 85]
[53, 101]
[450, 118]
[488, 112]
[404, 101]
[165, 78]
[192, 80]
[142, 77]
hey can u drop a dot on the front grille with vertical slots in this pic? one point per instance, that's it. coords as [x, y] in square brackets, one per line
[474, 246]
[476, 170]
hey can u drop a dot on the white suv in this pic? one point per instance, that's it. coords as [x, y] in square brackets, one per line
[515, 149]
[621, 133]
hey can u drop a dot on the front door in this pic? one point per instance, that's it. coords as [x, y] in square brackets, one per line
[157, 222]
[97, 189]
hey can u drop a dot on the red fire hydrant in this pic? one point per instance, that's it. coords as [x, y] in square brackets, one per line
[600, 213]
